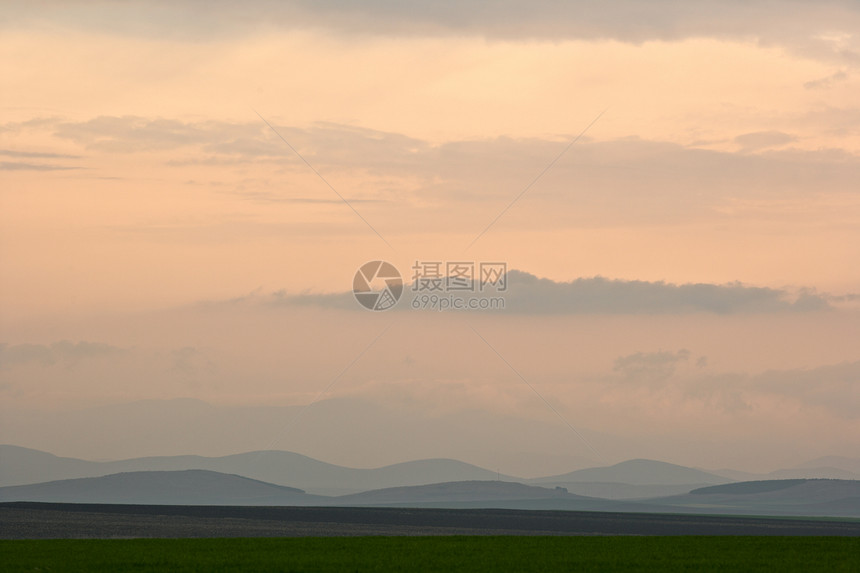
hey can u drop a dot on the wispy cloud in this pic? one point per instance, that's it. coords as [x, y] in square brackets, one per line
[835, 388]
[831, 388]
[216, 142]
[62, 352]
[469, 170]
[827, 81]
[763, 140]
[661, 376]
[30, 166]
[24, 166]
[37, 154]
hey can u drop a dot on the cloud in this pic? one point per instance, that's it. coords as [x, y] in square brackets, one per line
[838, 121]
[21, 166]
[34, 123]
[406, 184]
[763, 140]
[653, 378]
[273, 197]
[341, 301]
[130, 134]
[189, 361]
[62, 352]
[820, 29]
[28, 166]
[834, 388]
[37, 154]
[848, 297]
[650, 366]
[826, 82]
[598, 295]
[653, 175]
[322, 142]
[528, 294]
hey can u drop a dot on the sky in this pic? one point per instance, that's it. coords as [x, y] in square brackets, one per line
[187, 190]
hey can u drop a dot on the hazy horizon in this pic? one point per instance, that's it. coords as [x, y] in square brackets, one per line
[187, 194]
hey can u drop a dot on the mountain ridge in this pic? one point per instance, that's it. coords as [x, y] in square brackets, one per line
[631, 479]
[823, 498]
[282, 468]
[182, 487]
[637, 472]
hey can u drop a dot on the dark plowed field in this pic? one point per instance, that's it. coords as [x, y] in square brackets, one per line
[24, 520]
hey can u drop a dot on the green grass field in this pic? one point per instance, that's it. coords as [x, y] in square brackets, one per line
[437, 554]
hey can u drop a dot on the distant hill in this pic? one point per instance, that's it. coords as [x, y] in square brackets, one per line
[802, 497]
[203, 487]
[643, 484]
[180, 426]
[737, 475]
[20, 466]
[831, 498]
[638, 472]
[24, 465]
[826, 498]
[622, 491]
[188, 487]
[454, 491]
[805, 471]
[490, 494]
[813, 473]
[748, 487]
[839, 462]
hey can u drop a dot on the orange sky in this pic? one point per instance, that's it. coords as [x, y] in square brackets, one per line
[698, 94]
[138, 181]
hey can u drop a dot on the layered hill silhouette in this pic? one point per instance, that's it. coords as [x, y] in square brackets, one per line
[187, 425]
[809, 497]
[188, 487]
[468, 491]
[638, 472]
[823, 498]
[190, 425]
[203, 487]
[829, 467]
[632, 479]
[23, 465]
[285, 478]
